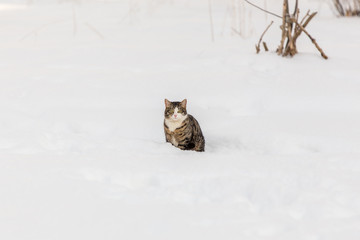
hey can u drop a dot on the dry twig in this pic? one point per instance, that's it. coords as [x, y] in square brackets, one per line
[265, 46]
[313, 41]
[298, 29]
[262, 35]
[283, 28]
[262, 9]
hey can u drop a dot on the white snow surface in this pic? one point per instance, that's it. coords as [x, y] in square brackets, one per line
[82, 147]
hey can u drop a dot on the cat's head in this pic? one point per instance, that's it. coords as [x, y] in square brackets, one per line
[175, 111]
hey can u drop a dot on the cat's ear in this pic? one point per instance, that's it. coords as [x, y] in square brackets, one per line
[167, 103]
[183, 103]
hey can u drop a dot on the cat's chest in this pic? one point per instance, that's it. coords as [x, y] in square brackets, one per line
[172, 125]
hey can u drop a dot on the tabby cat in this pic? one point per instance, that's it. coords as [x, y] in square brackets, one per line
[181, 129]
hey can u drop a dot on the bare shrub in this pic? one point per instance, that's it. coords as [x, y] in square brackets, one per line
[291, 29]
[347, 8]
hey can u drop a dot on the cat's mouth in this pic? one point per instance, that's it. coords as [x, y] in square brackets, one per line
[177, 118]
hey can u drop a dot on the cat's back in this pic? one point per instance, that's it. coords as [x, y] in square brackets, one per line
[195, 126]
[198, 139]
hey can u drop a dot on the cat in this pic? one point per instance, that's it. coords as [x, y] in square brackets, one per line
[181, 129]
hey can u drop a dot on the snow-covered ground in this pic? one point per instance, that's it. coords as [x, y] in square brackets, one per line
[82, 151]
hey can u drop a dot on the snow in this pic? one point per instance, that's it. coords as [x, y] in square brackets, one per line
[82, 146]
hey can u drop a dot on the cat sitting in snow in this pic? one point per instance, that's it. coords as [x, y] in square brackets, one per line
[181, 129]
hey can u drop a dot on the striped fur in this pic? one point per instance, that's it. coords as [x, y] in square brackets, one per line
[182, 131]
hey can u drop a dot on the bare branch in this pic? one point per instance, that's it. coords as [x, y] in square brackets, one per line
[236, 31]
[263, 9]
[313, 41]
[265, 46]
[92, 28]
[298, 30]
[307, 14]
[262, 35]
[283, 29]
[296, 7]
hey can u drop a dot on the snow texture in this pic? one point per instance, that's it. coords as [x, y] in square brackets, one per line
[82, 147]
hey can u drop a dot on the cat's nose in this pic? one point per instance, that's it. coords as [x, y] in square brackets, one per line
[175, 115]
